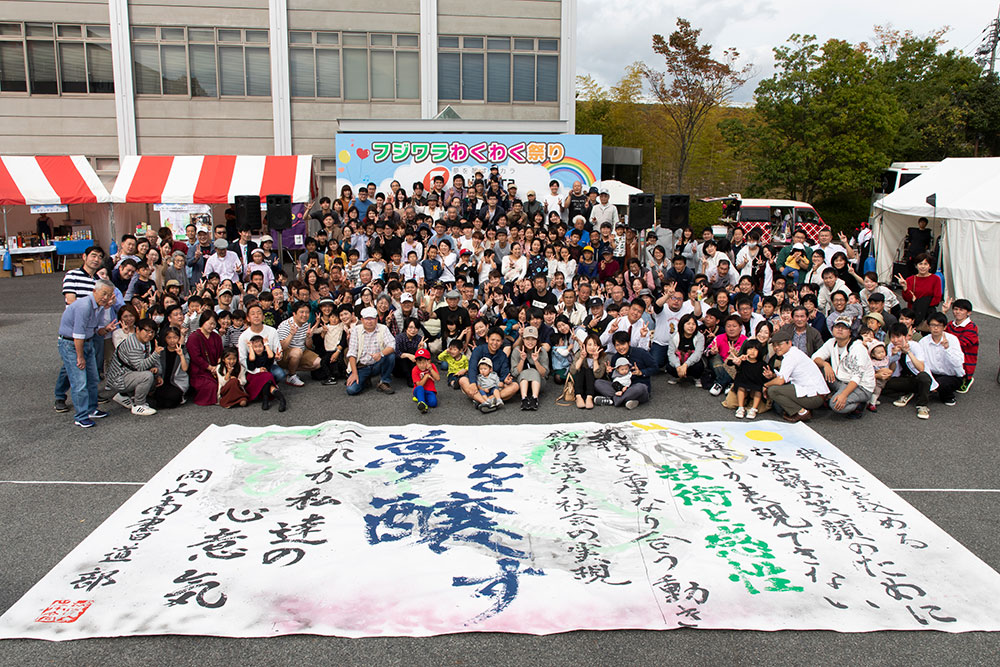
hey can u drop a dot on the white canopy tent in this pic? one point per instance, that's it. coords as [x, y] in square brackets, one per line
[618, 192]
[966, 214]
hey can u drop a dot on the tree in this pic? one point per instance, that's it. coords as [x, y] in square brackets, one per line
[693, 85]
[824, 123]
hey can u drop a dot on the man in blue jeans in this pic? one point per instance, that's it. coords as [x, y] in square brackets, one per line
[79, 332]
[371, 353]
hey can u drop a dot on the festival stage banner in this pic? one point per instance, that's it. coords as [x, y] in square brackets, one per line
[341, 529]
[529, 160]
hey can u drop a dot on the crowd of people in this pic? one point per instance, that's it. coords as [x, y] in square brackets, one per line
[502, 299]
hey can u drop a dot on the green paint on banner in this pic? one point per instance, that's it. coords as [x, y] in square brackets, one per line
[242, 452]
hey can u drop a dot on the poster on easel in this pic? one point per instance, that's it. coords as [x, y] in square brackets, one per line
[177, 217]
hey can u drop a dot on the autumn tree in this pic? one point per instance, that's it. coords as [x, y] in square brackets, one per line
[693, 84]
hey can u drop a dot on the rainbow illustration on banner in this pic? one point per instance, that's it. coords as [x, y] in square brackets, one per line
[572, 167]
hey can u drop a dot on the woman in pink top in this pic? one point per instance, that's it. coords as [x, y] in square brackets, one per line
[721, 353]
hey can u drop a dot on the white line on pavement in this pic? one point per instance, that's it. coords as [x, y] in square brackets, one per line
[46, 481]
[948, 490]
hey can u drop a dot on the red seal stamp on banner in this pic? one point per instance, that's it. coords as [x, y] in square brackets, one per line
[64, 611]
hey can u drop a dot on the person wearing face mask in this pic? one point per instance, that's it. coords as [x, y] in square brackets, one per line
[746, 256]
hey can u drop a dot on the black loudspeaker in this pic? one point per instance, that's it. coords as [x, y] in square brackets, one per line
[248, 212]
[641, 211]
[279, 212]
[675, 210]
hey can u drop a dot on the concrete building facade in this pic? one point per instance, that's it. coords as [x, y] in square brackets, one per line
[107, 78]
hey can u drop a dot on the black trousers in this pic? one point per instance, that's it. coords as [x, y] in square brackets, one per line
[583, 382]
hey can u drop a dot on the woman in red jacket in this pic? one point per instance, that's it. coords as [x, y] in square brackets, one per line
[922, 292]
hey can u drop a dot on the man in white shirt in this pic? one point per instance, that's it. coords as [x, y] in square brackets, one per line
[412, 269]
[552, 201]
[830, 249]
[668, 311]
[571, 308]
[798, 387]
[603, 212]
[223, 262]
[631, 321]
[910, 377]
[848, 370]
[943, 357]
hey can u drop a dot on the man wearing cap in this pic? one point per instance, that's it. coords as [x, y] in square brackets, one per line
[243, 246]
[847, 369]
[223, 262]
[454, 318]
[371, 352]
[532, 205]
[798, 387]
[604, 211]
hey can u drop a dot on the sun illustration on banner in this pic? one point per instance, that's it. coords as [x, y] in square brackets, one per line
[573, 169]
[763, 436]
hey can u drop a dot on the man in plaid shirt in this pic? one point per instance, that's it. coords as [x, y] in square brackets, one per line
[371, 352]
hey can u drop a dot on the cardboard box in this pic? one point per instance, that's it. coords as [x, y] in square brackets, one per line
[18, 269]
[74, 263]
[30, 266]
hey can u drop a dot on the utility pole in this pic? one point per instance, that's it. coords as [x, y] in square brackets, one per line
[986, 54]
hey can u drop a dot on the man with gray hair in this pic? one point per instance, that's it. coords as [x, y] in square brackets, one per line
[79, 333]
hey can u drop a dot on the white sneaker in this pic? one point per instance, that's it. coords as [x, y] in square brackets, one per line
[295, 381]
[741, 412]
[632, 404]
[903, 400]
[752, 413]
[697, 383]
[923, 412]
[122, 400]
[716, 389]
[671, 379]
[143, 410]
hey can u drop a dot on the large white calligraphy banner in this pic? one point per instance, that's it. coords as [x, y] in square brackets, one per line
[341, 529]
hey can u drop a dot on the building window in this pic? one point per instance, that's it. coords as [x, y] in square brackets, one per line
[201, 62]
[376, 66]
[474, 69]
[47, 59]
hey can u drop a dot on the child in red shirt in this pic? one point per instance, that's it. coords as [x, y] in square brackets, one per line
[424, 374]
[963, 328]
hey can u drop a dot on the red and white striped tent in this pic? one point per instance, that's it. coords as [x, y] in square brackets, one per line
[211, 179]
[49, 179]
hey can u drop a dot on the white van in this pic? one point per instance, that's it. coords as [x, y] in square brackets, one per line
[776, 218]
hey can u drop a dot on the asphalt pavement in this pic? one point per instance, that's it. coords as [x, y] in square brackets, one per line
[41, 523]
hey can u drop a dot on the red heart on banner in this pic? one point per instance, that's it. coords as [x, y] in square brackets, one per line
[363, 153]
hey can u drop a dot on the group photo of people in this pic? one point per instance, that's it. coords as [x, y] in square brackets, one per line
[479, 296]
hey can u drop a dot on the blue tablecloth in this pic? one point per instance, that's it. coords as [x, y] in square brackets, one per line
[72, 247]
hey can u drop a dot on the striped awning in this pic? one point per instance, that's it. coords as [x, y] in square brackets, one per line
[49, 179]
[211, 179]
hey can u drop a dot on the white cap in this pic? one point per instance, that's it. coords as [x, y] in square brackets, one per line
[405, 296]
[369, 312]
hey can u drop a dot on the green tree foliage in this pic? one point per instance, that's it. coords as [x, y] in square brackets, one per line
[824, 122]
